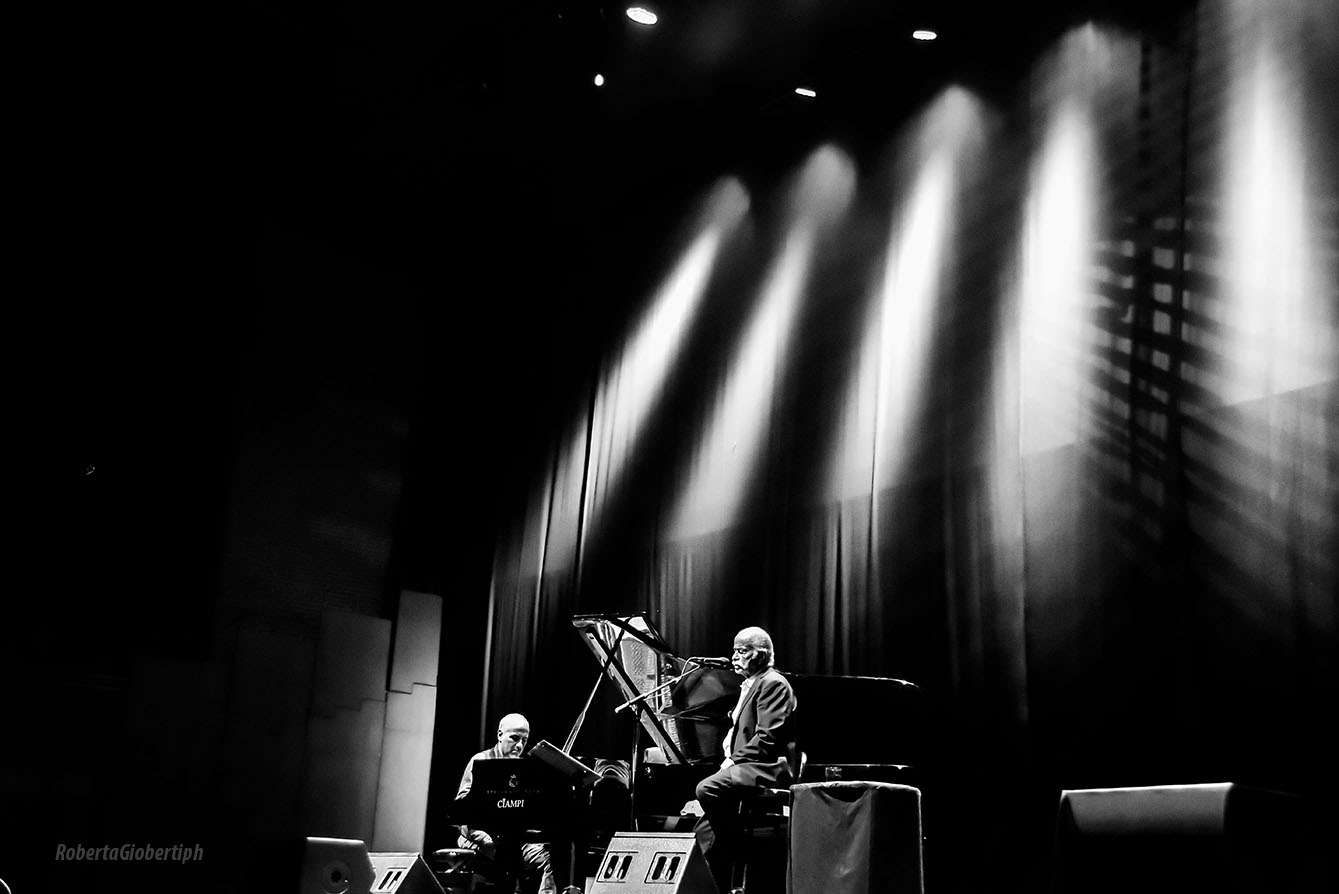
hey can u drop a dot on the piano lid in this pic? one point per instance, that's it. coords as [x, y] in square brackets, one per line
[836, 714]
[684, 719]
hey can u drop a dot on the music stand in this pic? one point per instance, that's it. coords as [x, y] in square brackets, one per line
[573, 770]
[578, 775]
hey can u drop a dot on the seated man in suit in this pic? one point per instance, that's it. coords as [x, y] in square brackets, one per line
[760, 750]
[513, 732]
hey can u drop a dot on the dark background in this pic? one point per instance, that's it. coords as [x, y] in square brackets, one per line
[405, 202]
[376, 243]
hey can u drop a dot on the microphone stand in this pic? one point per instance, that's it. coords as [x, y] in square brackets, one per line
[636, 700]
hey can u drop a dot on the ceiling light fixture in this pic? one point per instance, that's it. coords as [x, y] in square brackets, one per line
[642, 16]
[923, 34]
[599, 80]
[805, 91]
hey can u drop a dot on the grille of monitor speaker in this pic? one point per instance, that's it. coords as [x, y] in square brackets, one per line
[652, 863]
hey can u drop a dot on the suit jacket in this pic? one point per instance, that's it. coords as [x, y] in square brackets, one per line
[764, 743]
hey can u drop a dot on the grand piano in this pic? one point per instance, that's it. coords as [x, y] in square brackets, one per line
[683, 710]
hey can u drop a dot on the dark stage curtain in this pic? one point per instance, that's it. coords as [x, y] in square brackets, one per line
[1070, 462]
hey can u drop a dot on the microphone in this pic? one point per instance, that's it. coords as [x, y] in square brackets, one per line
[712, 662]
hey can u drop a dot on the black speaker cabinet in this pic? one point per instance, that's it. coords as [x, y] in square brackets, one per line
[1220, 837]
[343, 866]
[335, 866]
[652, 863]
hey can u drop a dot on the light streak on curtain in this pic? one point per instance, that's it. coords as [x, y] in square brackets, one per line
[740, 419]
[513, 601]
[725, 456]
[603, 438]
[631, 386]
[1277, 333]
[1262, 440]
[1058, 248]
[1034, 532]
[540, 565]
[887, 383]
[879, 422]
[694, 576]
[1043, 341]
[684, 578]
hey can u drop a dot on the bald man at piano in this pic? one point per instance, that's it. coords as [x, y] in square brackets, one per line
[760, 752]
[513, 732]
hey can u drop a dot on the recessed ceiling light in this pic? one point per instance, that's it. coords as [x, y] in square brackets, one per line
[805, 91]
[599, 80]
[642, 16]
[923, 34]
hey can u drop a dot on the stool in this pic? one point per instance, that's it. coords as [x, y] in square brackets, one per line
[763, 817]
[855, 838]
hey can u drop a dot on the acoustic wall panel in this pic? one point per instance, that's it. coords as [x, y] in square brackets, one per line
[346, 726]
[406, 762]
[418, 639]
[411, 713]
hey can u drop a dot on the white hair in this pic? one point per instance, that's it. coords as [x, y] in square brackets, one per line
[760, 640]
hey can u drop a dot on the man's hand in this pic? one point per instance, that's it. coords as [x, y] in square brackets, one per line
[475, 839]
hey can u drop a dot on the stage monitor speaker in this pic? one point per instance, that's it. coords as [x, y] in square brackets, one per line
[1175, 838]
[402, 873]
[343, 866]
[652, 863]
